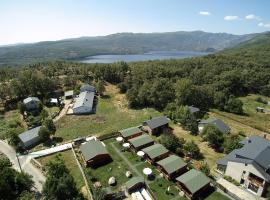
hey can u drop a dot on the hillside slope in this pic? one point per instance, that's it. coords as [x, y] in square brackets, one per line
[121, 43]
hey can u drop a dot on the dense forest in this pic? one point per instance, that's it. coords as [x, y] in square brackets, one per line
[211, 81]
[120, 43]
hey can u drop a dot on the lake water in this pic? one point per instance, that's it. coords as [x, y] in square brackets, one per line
[155, 55]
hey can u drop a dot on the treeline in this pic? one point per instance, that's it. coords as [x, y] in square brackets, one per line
[211, 81]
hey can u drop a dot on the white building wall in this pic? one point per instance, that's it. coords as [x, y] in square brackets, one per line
[235, 170]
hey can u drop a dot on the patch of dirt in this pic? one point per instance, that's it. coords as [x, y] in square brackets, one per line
[119, 100]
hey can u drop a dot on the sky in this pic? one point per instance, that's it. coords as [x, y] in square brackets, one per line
[26, 21]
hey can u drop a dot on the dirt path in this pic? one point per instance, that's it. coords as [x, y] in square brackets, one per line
[63, 111]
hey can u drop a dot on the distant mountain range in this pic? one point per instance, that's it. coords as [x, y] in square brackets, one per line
[120, 43]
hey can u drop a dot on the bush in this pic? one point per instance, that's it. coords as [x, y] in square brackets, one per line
[214, 136]
[172, 143]
[230, 179]
[261, 100]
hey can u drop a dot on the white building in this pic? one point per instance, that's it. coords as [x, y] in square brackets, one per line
[249, 165]
[84, 103]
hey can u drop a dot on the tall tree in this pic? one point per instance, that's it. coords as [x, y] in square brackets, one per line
[59, 183]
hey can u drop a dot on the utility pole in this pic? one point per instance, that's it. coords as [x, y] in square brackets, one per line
[19, 162]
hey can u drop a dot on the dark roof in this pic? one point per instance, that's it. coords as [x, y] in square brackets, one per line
[130, 131]
[88, 88]
[256, 151]
[172, 164]
[194, 180]
[134, 181]
[224, 128]
[157, 122]
[155, 151]
[85, 99]
[141, 140]
[29, 134]
[193, 109]
[92, 148]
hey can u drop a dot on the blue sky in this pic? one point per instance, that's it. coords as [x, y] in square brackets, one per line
[23, 21]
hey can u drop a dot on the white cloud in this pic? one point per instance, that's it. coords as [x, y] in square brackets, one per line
[252, 17]
[267, 25]
[231, 17]
[204, 13]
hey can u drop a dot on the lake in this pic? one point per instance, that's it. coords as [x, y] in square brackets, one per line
[155, 55]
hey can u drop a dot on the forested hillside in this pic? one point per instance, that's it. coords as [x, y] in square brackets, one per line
[122, 43]
[207, 82]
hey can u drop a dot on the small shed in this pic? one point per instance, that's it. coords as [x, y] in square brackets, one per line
[94, 154]
[134, 183]
[260, 109]
[193, 183]
[155, 153]
[141, 142]
[87, 88]
[172, 166]
[30, 138]
[31, 103]
[219, 124]
[156, 125]
[69, 94]
[130, 133]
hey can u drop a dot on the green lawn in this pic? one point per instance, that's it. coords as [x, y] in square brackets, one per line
[108, 118]
[216, 196]
[70, 163]
[52, 110]
[160, 187]
[9, 122]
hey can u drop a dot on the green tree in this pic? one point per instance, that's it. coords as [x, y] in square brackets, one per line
[268, 193]
[170, 111]
[59, 183]
[205, 168]
[232, 143]
[182, 91]
[100, 87]
[234, 105]
[214, 136]
[172, 143]
[48, 123]
[192, 149]
[44, 114]
[187, 119]
[13, 183]
[44, 133]
[21, 107]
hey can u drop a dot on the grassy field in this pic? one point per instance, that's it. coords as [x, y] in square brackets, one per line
[252, 122]
[71, 164]
[112, 115]
[10, 122]
[52, 110]
[209, 155]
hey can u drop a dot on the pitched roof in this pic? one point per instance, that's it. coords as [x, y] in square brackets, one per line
[194, 180]
[141, 140]
[84, 99]
[29, 134]
[69, 93]
[130, 131]
[193, 109]
[172, 163]
[92, 148]
[88, 88]
[155, 150]
[157, 122]
[224, 128]
[29, 99]
[134, 181]
[256, 151]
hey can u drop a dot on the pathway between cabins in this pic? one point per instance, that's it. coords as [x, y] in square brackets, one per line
[125, 159]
